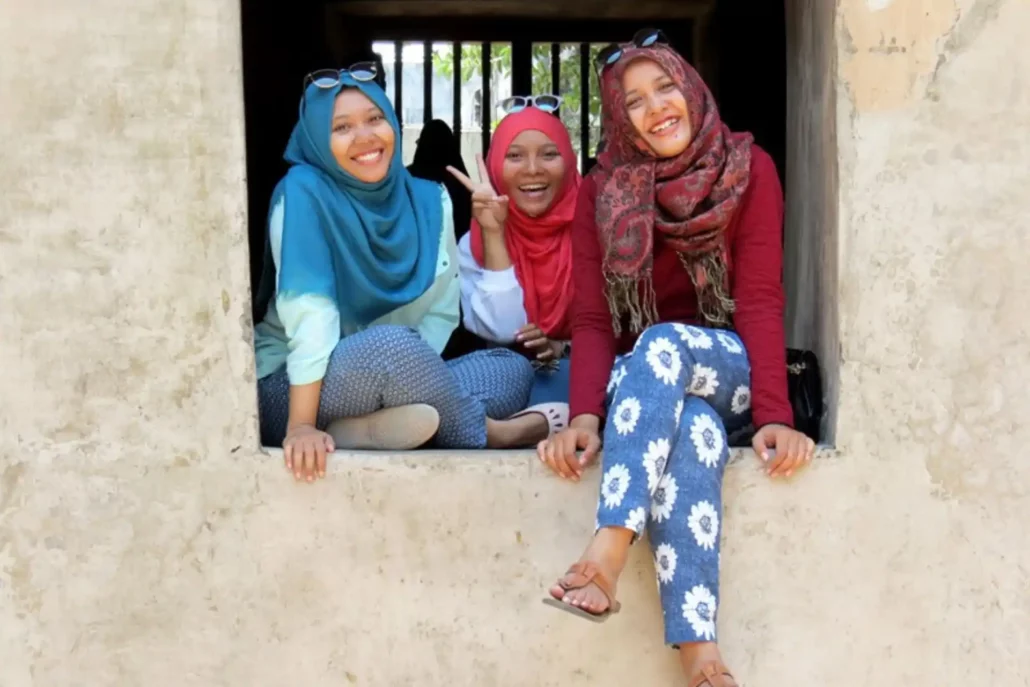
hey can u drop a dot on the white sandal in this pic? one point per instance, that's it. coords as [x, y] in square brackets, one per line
[391, 429]
[556, 414]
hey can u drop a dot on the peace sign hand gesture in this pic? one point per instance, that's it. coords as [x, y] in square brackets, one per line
[489, 209]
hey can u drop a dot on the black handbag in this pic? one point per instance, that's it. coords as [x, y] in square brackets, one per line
[805, 389]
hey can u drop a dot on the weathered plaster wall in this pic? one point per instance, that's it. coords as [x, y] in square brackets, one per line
[145, 540]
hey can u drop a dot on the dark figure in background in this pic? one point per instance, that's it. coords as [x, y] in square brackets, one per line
[437, 148]
[591, 161]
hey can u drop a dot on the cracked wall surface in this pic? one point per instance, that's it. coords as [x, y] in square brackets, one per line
[144, 539]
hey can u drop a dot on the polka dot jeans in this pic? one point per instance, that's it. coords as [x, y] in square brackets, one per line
[671, 402]
[388, 366]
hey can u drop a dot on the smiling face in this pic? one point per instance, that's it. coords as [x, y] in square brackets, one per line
[362, 139]
[657, 108]
[533, 172]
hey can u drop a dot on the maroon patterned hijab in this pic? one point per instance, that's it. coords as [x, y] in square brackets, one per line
[690, 199]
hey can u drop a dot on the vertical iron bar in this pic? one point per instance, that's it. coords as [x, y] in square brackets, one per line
[457, 90]
[584, 104]
[556, 68]
[488, 106]
[398, 80]
[427, 82]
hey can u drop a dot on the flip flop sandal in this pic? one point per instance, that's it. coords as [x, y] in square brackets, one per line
[557, 415]
[714, 674]
[586, 573]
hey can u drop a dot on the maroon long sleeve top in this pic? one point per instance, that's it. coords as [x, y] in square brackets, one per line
[755, 249]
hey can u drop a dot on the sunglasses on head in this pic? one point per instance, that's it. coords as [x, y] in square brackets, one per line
[644, 38]
[517, 103]
[330, 78]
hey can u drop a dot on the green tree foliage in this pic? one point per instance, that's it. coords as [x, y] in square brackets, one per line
[568, 88]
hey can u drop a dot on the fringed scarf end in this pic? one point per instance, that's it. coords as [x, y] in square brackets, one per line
[635, 297]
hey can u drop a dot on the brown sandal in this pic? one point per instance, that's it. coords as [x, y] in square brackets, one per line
[714, 674]
[587, 572]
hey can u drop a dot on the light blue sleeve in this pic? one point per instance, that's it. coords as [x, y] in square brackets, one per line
[442, 317]
[311, 322]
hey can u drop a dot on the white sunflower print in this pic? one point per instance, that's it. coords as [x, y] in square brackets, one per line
[708, 440]
[664, 498]
[614, 485]
[664, 359]
[729, 342]
[636, 520]
[626, 416]
[704, 381]
[704, 523]
[665, 563]
[699, 610]
[655, 459]
[741, 402]
[618, 374]
[694, 337]
[679, 411]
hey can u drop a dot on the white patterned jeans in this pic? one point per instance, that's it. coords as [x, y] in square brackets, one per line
[671, 402]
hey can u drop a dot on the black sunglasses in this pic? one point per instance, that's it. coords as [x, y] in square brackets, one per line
[644, 38]
[330, 78]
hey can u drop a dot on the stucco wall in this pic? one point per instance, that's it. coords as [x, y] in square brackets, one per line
[145, 540]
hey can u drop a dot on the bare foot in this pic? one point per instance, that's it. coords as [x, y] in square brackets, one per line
[710, 674]
[696, 656]
[391, 429]
[609, 550]
[527, 430]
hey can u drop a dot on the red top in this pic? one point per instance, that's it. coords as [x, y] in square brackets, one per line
[754, 242]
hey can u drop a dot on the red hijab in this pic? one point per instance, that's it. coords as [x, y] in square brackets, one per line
[540, 247]
[689, 199]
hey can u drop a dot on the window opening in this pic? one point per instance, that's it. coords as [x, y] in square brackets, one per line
[458, 68]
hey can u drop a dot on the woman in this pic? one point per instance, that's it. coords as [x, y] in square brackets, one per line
[437, 149]
[677, 250]
[516, 262]
[361, 284]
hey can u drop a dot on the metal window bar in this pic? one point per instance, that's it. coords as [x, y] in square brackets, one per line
[487, 109]
[521, 67]
[584, 104]
[556, 68]
[456, 48]
[398, 80]
[427, 82]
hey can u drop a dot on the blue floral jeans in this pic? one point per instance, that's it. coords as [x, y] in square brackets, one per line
[671, 403]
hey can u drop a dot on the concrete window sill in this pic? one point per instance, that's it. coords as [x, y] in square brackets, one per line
[435, 459]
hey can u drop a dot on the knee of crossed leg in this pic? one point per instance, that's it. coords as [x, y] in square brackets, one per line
[663, 330]
[522, 374]
[519, 364]
[391, 347]
[515, 372]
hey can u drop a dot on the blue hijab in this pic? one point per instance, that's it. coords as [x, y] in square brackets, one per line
[370, 248]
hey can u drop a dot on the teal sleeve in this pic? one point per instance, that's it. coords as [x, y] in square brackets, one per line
[311, 322]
